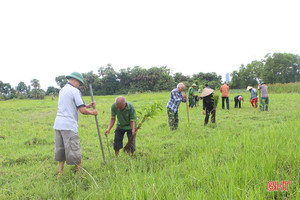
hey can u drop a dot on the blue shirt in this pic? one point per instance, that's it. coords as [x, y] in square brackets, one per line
[253, 94]
[175, 99]
[68, 103]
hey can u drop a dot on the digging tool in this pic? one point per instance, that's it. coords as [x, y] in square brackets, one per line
[91, 91]
[187, 107]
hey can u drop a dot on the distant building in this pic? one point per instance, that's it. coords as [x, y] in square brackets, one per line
[227, 78]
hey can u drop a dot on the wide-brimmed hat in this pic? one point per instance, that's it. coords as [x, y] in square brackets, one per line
[76, 76]
[194, 85]
[249, 87]
[206, 92]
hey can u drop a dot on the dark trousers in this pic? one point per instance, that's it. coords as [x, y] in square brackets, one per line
[213, 115]
[227, 102]
[236, 102]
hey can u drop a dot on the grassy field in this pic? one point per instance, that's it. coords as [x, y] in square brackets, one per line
[233, 159]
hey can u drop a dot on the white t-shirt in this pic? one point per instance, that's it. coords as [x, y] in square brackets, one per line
[68, 103]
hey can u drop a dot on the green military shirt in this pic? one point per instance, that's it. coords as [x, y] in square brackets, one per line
[191, 92]
[125, 116]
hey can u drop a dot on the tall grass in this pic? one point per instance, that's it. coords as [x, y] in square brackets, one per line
[279, 88]
[232, 159]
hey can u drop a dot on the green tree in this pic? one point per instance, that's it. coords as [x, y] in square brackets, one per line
[281, 68]
[1, 89]
[35, 83]
[36, 93]
[21, 88]
[52, 90]
[179, 77]
[5, 90]
[125, 78]
[109, 83]
[61, 81]
[88, 78]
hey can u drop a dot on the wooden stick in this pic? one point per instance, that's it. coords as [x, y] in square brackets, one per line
[91, 91]
[187, 108]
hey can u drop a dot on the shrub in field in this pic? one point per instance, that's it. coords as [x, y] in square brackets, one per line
[146, 113]
[37, 94]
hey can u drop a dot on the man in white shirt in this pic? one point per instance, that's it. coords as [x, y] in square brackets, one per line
[67, 143]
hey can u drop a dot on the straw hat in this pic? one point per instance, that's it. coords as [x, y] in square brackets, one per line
[206, 92]
[249, 87]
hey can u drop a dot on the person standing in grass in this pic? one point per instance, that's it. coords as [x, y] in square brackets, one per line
[176, 98]
[253, 97]
[237, 101]
[225, 96]
[210, 102]
[191, 93]
[264, 96]
[127, 118]
[67, 143]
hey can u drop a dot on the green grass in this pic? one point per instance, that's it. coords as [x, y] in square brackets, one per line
[284, 88]
[233, 159]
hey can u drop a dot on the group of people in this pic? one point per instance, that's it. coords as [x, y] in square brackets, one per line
[70, 103]
[253, 96]
[210, 101]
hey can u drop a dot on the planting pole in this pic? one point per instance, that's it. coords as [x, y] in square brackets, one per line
[187, 107]
[91, 91]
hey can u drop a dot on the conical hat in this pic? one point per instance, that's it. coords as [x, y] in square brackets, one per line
[249, 87]
[206, 92]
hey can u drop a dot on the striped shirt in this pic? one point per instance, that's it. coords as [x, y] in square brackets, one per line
[176, 98]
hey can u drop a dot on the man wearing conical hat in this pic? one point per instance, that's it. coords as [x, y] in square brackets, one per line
[253, 97]
[67, 143]
[210, 102]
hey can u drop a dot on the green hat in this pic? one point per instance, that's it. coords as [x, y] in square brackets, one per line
[262, 82]
[76, 76]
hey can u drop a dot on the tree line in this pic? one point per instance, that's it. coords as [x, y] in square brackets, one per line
[22, 91]
[276, 68]
[108, 81]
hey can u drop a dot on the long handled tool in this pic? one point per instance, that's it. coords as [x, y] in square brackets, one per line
[187, 108]
[91, 90]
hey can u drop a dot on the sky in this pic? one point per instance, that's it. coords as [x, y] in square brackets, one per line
[44, 39]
